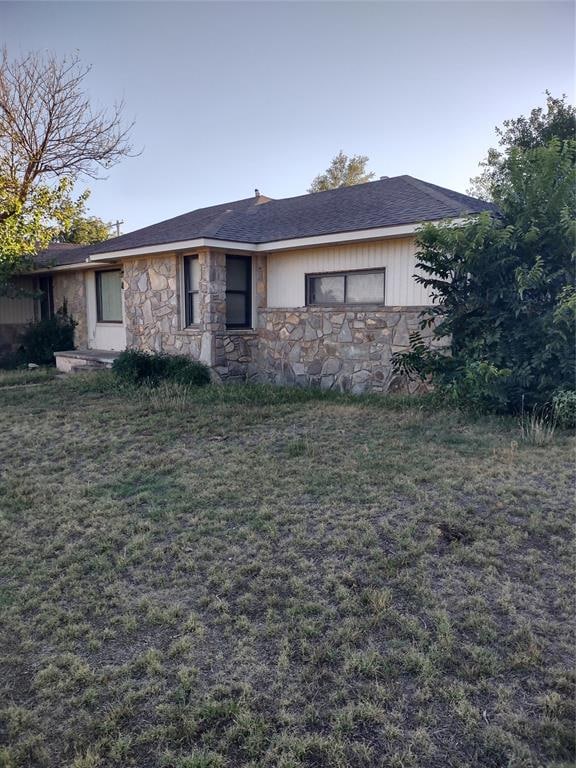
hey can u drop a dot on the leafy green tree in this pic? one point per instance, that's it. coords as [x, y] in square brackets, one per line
[505, 289]
[343, 171]
[50, 135]
[85, 230]
[557, 121]
[32, 225]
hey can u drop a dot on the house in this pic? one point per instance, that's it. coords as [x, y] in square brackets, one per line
[311, 290]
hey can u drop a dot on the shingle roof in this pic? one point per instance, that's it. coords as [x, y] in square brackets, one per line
[387, 202]
[61, 254]
[203, 222]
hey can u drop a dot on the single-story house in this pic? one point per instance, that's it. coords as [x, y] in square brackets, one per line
[311, 290]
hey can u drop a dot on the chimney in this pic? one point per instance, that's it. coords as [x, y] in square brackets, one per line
[256, 193]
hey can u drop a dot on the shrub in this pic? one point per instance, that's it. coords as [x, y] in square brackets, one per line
[474, 385]
[503, 285]
[564, 402]
[149, 368]
[479, 386]
[41, 339]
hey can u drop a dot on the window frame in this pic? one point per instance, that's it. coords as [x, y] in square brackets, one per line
[247, 292]
[98, 284]
[189, 320]
[309, 276]
[46, 301]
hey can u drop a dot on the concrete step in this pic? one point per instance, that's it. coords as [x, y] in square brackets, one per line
[89, 366]
[73, 361]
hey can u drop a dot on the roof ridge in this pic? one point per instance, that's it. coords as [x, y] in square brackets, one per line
[342, 188]
[431, 189]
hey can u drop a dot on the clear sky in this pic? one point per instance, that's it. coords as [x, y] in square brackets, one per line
[232, 96]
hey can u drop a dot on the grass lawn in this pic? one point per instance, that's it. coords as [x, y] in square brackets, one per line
[12, 378]
[260, 577]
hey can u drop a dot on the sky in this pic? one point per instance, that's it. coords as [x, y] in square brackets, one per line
[232, 96]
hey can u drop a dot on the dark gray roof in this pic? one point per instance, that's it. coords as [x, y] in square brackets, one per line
[61, 254]
[388, 202]
[203, 222]
[384, 203]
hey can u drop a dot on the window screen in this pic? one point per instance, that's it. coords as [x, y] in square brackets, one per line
[109, 296]
[346, 288]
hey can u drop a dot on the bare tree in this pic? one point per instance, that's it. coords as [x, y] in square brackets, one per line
[49, 129]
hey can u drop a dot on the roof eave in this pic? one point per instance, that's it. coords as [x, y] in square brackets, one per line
[374, 233]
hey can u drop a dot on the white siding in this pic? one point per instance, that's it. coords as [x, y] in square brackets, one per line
[287, 270]
[18, 311]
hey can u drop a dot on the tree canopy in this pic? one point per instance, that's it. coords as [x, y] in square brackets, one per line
[50, 135]
[85, 230]
[343, 171]
[505, 289]
[556, 121]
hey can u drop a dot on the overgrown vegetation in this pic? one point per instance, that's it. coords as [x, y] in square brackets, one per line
[41, 339]
[150, 368]
[504, 283]
[256, 576]
[564, 404]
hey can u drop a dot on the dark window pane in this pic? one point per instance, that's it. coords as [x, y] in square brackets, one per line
[238, 290]
[192, 308]
[365, 288]
[327, 290]
[237, 274]
[46, 300]
[236, 309]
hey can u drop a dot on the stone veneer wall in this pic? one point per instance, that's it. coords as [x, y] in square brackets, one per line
[151, 308]
[70, 287]
[333, 348]
[153, 314]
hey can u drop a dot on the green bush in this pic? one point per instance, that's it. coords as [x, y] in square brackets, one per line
[564, 402]
[149, 368]
[479, 386]
[504, 289]
[41, 339]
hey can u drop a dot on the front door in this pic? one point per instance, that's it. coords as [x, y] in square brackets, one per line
[107, 329]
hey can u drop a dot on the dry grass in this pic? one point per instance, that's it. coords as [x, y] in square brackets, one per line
[538, 426]
[269, 578]
[19, 376]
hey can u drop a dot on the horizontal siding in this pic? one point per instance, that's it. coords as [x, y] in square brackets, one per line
[287, 270]
[18, 311]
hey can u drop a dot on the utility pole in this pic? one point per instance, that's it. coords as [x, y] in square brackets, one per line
[117, 225]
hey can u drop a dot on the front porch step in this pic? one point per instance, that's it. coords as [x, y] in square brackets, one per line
[76, 360]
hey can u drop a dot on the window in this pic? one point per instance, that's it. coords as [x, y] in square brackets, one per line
[109, 296]
[46, 301]
[361, 287]
[191, 287]
[238, 291]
